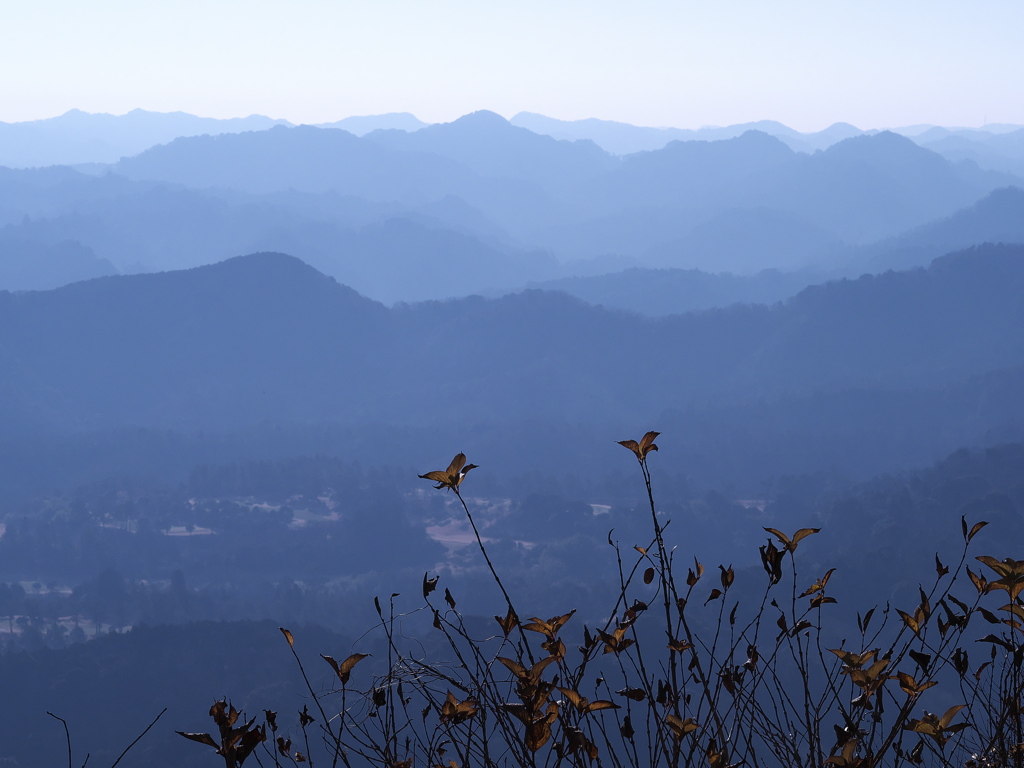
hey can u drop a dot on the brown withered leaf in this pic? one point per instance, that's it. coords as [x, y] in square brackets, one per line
[507, 624]
[202, 738]
[1011, 574]
[923, 660]
[800, 626]
[819, 585]
[853, 660]
[980, 670]
[550, 627]
[693, 574]
[910, 686]
[636, 694]
[345, 668]
[514, 667]
[728, 576]
[537, 669]
[648, 576]
[429, 585]
[679, 645]
[968, 535]
[455, 711]
[574, 698]
[680, 727]
[939, 729]
[452, 477]
[538, 732]
[288, 636]
[862, 624]
[790, 542]
[449, 599]
[911, 621]
[641, 449]
[615, 642]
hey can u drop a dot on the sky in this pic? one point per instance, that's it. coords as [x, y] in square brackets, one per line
[806, 63]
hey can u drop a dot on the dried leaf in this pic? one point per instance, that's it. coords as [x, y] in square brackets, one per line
[202, 738]
[636, 694]
[345, 668]
[429, 585]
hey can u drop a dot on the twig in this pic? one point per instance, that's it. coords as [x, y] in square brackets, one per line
[137, 738]
[67, 734]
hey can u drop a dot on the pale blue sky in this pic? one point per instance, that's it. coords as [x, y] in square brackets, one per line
[806, 63]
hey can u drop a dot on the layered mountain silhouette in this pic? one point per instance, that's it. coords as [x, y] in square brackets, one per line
[267, 337]
[492, 146]
[33, 266]
[500, 205]
[80, 137]
[625, 139]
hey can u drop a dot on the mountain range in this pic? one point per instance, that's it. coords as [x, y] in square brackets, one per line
[266, 338]
[502, 205]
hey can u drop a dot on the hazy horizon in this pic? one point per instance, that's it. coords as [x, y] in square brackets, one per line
[802, 63]
[909, 128]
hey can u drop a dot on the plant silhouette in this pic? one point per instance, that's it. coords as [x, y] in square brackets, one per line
[682, 672]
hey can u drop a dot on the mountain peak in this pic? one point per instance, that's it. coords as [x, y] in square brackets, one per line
[482, 117]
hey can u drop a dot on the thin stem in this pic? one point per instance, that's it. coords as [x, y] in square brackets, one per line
[137, 738]
[67, 734]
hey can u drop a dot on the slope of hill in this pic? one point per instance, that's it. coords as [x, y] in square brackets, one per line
[266, 337]
[110, 689]
[625, 139]
[303, 158]
[996, 218]
[81, 137]
[579, 202]
[657, 292]
[492, 146]
[360, 125]
[32, 266]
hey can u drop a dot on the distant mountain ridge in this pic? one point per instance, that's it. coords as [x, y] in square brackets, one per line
[500, 205]
[80, 137]
[578, 201]
[266, 336]
[996, 218]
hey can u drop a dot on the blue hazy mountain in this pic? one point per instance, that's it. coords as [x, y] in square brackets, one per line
[303, 158]
[225, 344]
[83, 137]
[998, 150]
[740, 205]
[491, 146]
[363, 124]
[385, 250]
[33, 266]
[657, 292]
[859, 190]
[996, 218]
[625, 139]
